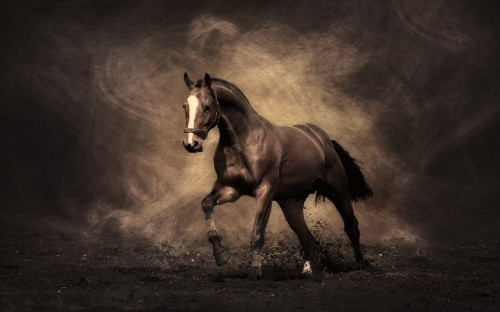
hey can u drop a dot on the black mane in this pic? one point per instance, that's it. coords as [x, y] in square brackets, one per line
[234, 89]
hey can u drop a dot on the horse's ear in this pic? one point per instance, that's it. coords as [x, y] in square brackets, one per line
[208, 80]
[189, 82]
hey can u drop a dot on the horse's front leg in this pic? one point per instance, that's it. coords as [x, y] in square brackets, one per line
[218, 196]
[264, 198]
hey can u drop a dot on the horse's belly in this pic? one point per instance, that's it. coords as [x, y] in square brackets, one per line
[298, 174]
[297, 182]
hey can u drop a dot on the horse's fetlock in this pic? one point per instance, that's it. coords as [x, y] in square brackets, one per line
[213, 235]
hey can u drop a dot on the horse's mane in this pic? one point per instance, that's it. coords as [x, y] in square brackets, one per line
[234, 89]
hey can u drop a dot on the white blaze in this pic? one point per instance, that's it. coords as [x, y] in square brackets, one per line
[193, 106]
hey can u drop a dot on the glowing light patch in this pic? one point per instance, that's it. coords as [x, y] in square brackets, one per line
[193, 104]
[307, 268]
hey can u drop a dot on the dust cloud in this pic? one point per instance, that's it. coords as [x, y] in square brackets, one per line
[93, 117]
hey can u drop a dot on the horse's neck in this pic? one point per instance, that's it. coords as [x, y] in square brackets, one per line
[237, 116]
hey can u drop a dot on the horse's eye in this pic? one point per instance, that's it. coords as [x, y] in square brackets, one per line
[206, 108]
[184, 105]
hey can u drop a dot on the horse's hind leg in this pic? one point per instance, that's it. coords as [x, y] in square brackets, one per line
[344, 207]
[293, 209]
[337, 191]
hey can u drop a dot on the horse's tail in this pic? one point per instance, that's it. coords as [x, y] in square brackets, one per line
[358, 187]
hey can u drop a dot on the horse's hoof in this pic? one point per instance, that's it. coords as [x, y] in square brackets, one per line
[306, 275]
[362, 264]
[255, 273]
[223, 256]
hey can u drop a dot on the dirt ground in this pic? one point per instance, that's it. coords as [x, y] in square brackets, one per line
[49, 270]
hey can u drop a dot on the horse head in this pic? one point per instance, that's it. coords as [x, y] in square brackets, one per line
[202, 112]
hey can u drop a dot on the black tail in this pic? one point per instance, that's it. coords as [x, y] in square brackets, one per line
[358, 187]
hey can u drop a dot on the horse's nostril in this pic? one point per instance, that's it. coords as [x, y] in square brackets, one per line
[193, 147]
[188, 146]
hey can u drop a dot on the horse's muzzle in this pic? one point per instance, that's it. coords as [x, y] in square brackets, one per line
[196, 147]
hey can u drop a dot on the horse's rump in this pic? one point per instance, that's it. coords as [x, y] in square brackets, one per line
[305, 151]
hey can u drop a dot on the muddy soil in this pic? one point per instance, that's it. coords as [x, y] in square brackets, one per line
[42, 269]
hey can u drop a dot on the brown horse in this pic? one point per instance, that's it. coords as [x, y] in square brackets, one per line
[257, 158]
